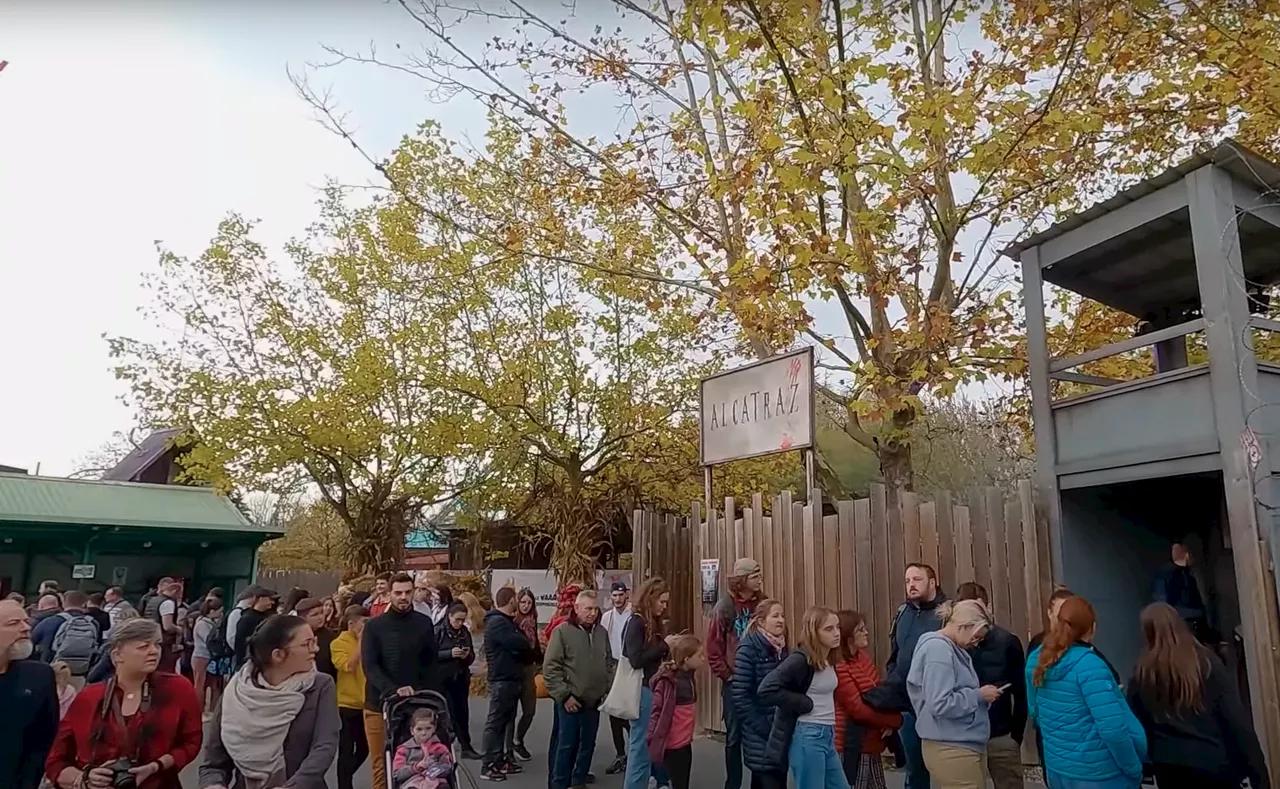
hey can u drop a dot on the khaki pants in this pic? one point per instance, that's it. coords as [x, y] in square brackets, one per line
[954, 768]
[1004, 762]
[376, 733]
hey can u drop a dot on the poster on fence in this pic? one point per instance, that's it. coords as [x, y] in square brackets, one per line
[543, 584]
[710, 580]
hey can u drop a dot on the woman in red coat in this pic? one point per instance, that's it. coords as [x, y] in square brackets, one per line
[140, 720]
[856, 673]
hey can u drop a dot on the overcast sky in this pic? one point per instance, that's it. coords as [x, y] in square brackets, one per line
[150, 121]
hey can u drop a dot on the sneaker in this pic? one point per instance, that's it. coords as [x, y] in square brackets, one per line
[619, 765]
[521, 752]
[493, 774]
[511, 768]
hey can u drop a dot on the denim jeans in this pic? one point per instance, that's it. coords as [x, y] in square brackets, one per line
[1119, 782]
[575, 745]
[638, 765]
[917, 773]
[812, 757]
[732, 740]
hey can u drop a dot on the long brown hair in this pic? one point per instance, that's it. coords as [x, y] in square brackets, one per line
[1170, 673]
[1075, 621]
[810, 643]
[646, 607]
[850, 621]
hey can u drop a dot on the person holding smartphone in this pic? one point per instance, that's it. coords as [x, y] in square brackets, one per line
[456, 654]
[999, 660]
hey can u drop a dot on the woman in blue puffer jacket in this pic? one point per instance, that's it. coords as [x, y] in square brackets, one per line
[1092, 740]
[760, 651]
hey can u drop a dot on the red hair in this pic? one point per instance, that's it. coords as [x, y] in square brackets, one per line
[1075, 621]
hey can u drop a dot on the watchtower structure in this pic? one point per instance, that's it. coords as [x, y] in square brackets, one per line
[1125, 468]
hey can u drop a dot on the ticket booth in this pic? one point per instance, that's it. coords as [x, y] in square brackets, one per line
[1127, 467]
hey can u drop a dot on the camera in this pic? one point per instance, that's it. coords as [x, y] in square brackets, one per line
[121, 778]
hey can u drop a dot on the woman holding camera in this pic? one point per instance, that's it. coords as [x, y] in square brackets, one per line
[278, 724]
[139, 728]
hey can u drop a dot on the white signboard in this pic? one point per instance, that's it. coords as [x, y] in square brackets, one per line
[83, 571]
[759, 409]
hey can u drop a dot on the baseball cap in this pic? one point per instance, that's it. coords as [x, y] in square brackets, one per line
[256, 591]
[619, 586]
[745, 567]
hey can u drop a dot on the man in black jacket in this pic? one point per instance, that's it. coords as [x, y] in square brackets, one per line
[29, 698]
[999, 661]
[915, 617]
[397, 650]
[264, 605]
[507, 651]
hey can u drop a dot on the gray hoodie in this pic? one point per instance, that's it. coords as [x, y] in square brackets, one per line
[944, 694]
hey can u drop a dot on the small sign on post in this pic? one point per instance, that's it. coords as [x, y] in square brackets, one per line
[710, 581]
[83, 572]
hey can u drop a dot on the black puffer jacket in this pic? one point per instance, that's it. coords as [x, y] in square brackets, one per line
[787, 689]
[506, 650]
[756, 658]
[449, 668]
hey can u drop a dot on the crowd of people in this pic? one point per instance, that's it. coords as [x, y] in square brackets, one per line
[271, 693]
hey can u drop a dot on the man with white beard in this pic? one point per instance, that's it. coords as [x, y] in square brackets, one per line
[29, 699]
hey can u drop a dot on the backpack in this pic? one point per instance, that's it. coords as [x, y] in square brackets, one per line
[76, 642]
[217, 644]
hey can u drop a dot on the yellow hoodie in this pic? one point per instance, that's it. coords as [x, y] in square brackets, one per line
[350, 683]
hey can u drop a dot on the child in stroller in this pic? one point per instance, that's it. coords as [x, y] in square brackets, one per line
[423, 758]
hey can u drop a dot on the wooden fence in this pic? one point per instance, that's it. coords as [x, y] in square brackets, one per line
[852, 559]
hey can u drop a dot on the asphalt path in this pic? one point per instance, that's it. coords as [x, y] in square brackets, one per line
[708, 759]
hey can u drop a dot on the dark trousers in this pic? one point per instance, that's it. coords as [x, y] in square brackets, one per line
[762, 780]
[620, 727]
[575, 745]
[678, 763]
[732, 740]
[917, 773]
[1178, 777]
[353, 746]
[504, 697]
[456, 692]
[528, 705]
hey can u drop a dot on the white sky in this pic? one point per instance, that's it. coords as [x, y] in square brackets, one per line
[149, 122]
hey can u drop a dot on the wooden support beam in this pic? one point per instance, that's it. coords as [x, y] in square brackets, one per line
[1098, 230]
[1091, 380]
[1038, 369]
[1266, 324]
[1124, 346]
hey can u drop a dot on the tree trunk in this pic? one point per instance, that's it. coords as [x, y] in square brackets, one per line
[377, 541]
[894, 453]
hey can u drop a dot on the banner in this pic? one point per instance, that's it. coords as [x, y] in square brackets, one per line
[543, 584]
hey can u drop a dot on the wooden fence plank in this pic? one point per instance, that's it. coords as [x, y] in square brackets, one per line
[734, 547]
[798, 583]
[811, 541]
[1016, 581]
[865, 602]
[849, 567]
[929, 535]
[834, 581]
[1036, 603]
[964, 546]
[979, 528]
[945, 513]
[910, 527]
[757, 528]
[883, 604]
[998, 588]
[784, 591]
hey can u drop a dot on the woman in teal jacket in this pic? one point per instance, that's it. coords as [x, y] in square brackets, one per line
[1091, 738]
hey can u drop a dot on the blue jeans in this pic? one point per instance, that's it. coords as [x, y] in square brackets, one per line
[917, 773]
[813, 759]
[575, 737]
[1119, 782]
[638, 765]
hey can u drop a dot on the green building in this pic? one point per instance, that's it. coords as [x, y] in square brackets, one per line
[95, 534]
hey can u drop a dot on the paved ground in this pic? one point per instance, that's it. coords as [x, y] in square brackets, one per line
[708, 759]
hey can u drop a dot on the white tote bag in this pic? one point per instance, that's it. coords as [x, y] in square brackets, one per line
[623, 700]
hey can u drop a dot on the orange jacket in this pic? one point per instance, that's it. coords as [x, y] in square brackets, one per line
[853, 678]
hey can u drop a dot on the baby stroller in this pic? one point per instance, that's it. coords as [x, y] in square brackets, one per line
[397, 717]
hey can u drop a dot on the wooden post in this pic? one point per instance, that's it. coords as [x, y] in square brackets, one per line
[1041, 401]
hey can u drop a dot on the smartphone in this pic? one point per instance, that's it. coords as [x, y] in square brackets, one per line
[1005, 687]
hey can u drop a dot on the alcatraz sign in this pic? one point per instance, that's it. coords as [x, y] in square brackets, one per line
[759, 409]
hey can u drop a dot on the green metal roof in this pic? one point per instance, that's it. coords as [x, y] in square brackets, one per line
[55, 501]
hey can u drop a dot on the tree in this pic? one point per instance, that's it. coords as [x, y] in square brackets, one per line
[315, 538]
[787, 154]
[319, 367]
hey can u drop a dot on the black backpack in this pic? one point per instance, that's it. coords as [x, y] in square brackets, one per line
[217, 644]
